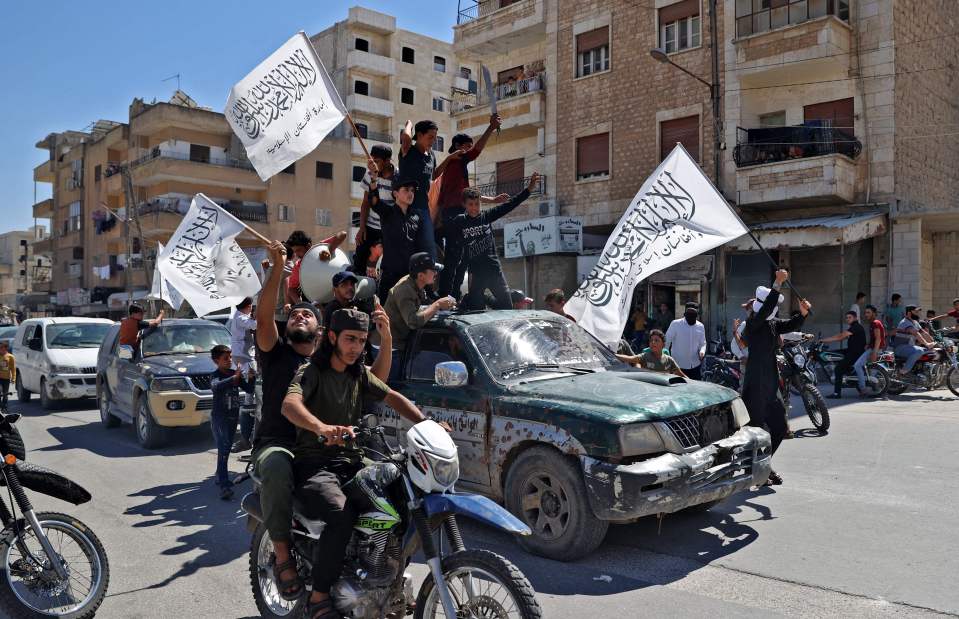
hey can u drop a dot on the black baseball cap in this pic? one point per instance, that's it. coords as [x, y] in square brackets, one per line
[458, 139]
[349, 319]
[405, 182]
[343, 276]
[422, 261]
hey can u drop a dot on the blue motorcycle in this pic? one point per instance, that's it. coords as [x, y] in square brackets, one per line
[406, 503]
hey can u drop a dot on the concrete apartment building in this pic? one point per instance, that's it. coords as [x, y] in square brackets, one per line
[21, 271]
[172, 151]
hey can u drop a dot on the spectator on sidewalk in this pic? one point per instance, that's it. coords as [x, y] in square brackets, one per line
[686, 340]
[8, 373]
[857, 306]
[892, 316]
[242, 326]
[225, 384]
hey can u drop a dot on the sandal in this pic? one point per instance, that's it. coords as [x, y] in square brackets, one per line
[321, 610]
[290, 589]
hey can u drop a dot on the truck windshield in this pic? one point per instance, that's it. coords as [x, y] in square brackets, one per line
[512, 348]
[182, 339]
[76, 335]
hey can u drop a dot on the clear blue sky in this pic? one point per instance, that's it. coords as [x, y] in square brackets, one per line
[67, 64]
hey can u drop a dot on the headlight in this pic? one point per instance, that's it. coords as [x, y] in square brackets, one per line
[640, 438]
[65, 369]
[799, 360]
[169, 384]
[446, 472]
[740, 413]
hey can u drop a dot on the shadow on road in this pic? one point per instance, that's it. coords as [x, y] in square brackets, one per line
[219, 533]
[122, 443]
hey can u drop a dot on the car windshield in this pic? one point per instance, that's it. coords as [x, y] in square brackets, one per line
[514, 348]
[183, 339]
[76, 335]
[6, 332]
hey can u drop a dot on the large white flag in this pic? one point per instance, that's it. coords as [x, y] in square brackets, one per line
[161, 288]
[203, 261]
[676, 215]
[285, 107]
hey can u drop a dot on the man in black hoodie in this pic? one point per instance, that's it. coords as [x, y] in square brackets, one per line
[473, 232]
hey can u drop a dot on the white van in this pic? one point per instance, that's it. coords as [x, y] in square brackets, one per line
[57, 357]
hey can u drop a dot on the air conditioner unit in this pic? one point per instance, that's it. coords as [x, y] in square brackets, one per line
[547, 208]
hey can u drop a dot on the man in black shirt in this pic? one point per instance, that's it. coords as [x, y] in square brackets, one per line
[473, 232]
[855, 346]
[401, 225]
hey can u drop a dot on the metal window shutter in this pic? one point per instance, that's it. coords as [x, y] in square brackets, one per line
[592, 154]
[683, 130]
[841, 113]
[680, 10]
[509, 173]
[592, 39]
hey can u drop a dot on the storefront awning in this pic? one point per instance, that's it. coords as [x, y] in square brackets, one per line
[814, 231]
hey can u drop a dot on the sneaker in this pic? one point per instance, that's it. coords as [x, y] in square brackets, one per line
[240, 446]
[226, 493]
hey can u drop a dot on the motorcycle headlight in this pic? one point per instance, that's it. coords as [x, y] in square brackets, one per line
[169, 384]
[799, 360]
[65, 369]
[640, 438]
[446, 472]
[740, 413]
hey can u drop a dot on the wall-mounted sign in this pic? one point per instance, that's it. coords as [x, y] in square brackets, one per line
[548, 235]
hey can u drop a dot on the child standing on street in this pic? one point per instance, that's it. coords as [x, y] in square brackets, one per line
[226, 384]
[8, 373]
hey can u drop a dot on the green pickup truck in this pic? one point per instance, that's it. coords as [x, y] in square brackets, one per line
[551, 424]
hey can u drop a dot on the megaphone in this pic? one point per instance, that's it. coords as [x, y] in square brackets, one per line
[316, 276]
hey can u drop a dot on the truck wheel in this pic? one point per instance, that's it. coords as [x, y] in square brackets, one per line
[546, 490]
[22, 394]
[105, 404]
[46, 402]
[149, 434]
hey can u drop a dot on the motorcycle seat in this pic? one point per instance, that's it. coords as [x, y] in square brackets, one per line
[313, 526]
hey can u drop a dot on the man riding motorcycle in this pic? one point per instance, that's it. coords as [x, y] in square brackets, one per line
[324, 402]
[911, 340]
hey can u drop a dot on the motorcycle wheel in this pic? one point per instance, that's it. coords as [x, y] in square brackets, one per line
[265, 593]
[816, 408]
[488, 576]
[24, 594]
[880, 376]
[952, 381]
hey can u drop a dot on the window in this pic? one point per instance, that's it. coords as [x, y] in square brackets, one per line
[434, 347]
[324, 169]
[78, 253]
[438, 144]
[592, 52]
[290, 169]
[358, 173]
[509, 175]
[284, 212]
[682, 130]
[773, 119]
[199, 152]
[361, 129]
[592, 156]
[354, 218]
[409, 56]
[75, 220]
[466, 72]
[755, 16]
[361, 88]
[406, 96]
[439, 64]
[324, 217]
[96, 173]
[679, 26]
[361, 44]
[438, 104]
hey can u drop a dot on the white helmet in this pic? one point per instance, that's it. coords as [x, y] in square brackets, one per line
[433, 464]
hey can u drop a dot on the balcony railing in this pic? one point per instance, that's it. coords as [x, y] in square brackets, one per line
[244, 212]
[773, 144]
[157, 153]
[502, 92]
[512, 187]
[474, 9]
[377, 136]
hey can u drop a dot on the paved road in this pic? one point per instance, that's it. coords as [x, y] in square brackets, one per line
[865, 526]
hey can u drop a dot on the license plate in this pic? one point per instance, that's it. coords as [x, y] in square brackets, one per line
[91, 391]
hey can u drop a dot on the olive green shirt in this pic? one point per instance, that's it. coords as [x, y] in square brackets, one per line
[665, 363]
[336, 399]
[403, 310]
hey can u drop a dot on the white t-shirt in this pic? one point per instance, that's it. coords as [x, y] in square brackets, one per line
[739, 351]
[855, 308]
[384, 188]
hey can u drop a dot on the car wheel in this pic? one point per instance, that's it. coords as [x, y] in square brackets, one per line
[149, 434]
[546, 490]
[22, 394]
[45, 400]
[105, 404]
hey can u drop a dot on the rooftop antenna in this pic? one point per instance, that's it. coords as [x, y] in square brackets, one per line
[177, 76]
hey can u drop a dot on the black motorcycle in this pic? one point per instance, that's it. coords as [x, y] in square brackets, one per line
[51, 564]
[823, 362]
[793, 376]
[722, 371]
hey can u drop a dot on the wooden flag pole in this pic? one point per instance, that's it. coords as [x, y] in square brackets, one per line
[359, 137]
[265, 240]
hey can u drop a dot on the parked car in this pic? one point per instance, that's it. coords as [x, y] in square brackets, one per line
[7, 333]
[550, 423]
[164, 383]
[56, 358]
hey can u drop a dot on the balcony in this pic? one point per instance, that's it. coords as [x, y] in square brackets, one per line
[796, 52]
[521, 104]
[372, 106]
[45, 246]
[808, 165]
[43, 173]
[371, 139]
[43, 209]
[490, 27]
[243, 212]
[495, 188]
[371, 20]
[159, 166]
[372, 64]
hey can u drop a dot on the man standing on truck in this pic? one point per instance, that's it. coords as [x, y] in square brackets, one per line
[132, 326]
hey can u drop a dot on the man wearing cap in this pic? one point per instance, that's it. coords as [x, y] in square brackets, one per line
[326, 400]
[404, 307]
[400, 225]
[378, 187]
[520, 300]
[344, 292]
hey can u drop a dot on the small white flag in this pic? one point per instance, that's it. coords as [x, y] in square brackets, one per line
[676, 215]
[203, 261]
[285, 107]
[161, 288]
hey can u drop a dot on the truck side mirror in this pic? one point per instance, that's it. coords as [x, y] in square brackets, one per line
[451, 374]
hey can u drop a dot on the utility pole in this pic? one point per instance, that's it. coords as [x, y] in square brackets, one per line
[133, 214]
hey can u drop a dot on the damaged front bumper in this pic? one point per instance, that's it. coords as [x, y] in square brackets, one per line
[671, 482]
[72, 386]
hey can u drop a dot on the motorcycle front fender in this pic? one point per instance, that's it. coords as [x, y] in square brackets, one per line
[50, 483]
[476, 507]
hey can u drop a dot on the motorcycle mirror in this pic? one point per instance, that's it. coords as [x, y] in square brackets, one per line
[370, 421]
[451, 374]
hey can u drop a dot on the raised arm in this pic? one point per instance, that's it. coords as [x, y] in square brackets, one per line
[455, 155]
[494, 123]
[266, 333]
[381, 367]
[506, 208]
[406, 138]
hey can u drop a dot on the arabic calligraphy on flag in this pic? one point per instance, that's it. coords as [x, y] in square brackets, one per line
[676, 215]
[203, 261]
[285, 107]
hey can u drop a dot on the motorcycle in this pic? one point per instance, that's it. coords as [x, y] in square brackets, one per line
[722, 371]
[935, 368]
[794, 377]
[407, 504]
[52, 564]
[878, 378]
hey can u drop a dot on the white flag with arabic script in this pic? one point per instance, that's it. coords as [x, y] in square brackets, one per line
[677, 214]
[161, 288]
[204, 262]
[285, 107]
